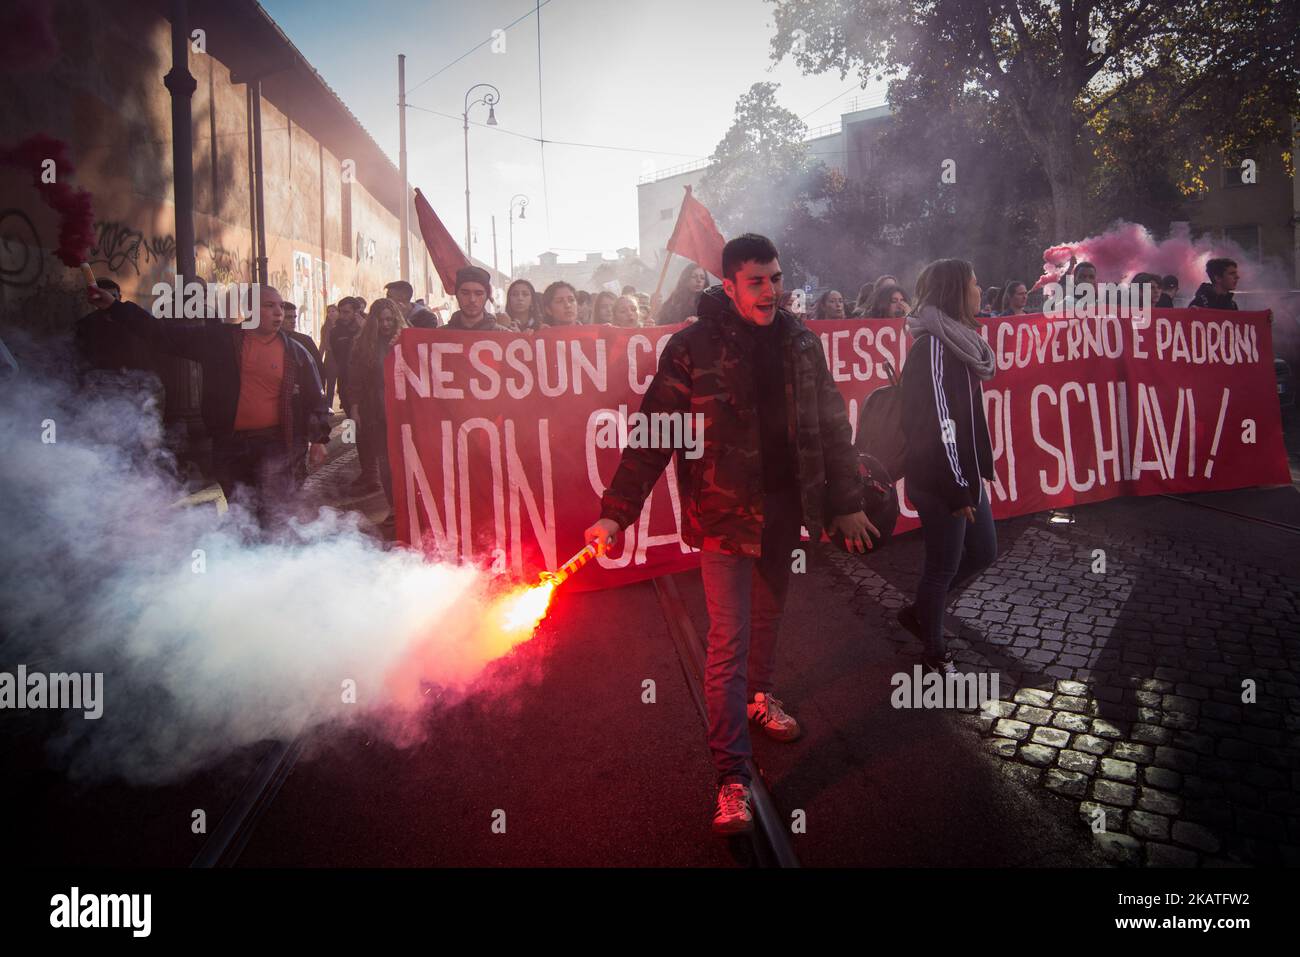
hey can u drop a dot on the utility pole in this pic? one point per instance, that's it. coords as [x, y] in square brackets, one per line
[523, 205]
[181, 84]
[405, 218]
[490, 99]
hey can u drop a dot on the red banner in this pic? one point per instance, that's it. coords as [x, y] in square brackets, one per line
[499, 453]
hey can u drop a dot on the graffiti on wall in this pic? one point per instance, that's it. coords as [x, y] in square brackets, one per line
[21, 257]
[119, 246]
[218, 264]
[138, 260]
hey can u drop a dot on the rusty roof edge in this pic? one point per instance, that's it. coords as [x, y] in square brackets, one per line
[260, 12]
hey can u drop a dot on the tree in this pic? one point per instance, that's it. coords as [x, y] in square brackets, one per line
[761, 178]
[962, 184]
[1214, 76]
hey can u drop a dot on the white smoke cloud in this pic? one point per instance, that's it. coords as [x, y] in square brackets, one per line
[97, 573]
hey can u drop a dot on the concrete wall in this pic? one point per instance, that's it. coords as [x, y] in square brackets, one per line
[105, 98]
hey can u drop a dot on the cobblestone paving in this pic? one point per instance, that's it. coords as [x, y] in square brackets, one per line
[1122, 691]
[329, 486]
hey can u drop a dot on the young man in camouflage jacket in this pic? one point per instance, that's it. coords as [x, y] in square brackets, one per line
[776, 453]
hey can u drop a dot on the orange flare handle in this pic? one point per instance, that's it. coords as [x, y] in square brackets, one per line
[88, 273]
[562, 573]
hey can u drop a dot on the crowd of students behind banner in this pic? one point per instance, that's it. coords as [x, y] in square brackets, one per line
[248, 406]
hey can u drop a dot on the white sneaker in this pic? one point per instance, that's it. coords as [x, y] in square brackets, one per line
[733, 815]
[766, 712]
[943, 666]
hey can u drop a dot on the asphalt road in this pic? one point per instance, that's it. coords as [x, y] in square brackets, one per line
[585, 772]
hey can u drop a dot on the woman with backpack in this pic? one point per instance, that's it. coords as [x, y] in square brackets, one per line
[948, 453]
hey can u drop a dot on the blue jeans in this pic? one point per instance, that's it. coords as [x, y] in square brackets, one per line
[745, 597]
[955, 551]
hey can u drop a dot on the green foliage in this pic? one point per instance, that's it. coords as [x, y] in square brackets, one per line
[1117, 100]
[761, 177]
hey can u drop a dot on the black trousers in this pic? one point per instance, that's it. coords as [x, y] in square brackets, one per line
[256, 468]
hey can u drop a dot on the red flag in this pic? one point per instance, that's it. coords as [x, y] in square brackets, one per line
[446, 255]
[696, 235]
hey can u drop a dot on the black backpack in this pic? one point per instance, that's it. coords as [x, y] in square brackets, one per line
[880, 427]
[879, 502]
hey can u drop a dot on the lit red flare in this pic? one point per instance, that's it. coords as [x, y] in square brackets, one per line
[515, 617]
[1056, 259]
[524, 609]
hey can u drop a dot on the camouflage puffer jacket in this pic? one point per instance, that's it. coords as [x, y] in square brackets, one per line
[708, 368]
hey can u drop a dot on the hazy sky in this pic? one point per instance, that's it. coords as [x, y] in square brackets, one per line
[661, 77]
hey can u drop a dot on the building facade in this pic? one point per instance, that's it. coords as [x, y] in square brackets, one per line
[659, 194]
[331, 197]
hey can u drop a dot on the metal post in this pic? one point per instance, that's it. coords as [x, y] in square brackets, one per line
[465, 116]
[494, 243]
[489, 99]
[255, 89]
[405, 218]
[523, 203]
[182, 85]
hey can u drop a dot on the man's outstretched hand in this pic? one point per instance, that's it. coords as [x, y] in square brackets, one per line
[602, 534]
[856, 529]
[99, 298]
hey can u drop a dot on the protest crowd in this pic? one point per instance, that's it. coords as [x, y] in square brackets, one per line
[345, 368]
[272, 396]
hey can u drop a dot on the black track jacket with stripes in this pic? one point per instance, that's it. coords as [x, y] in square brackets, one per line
[948, 448]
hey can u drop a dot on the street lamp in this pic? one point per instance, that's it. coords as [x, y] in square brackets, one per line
[490, 98]
[523, 204]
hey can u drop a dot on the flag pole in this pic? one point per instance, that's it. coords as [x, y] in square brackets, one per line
[663, 274]
[668, 256]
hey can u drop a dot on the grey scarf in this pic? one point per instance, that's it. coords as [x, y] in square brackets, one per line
[966, 343]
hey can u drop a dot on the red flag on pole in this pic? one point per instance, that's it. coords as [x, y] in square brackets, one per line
[446, 255]
[696, 235]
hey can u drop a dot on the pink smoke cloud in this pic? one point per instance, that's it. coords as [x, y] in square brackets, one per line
[1129, 248]
[74, 206]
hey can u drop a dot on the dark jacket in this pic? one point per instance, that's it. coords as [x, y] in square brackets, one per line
[678, 308]
[106, 345]
[215, 346]
[487, 323]
[948, 448]
[342, 335]
[310, 345]
[1207, 298]
[708, 368]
